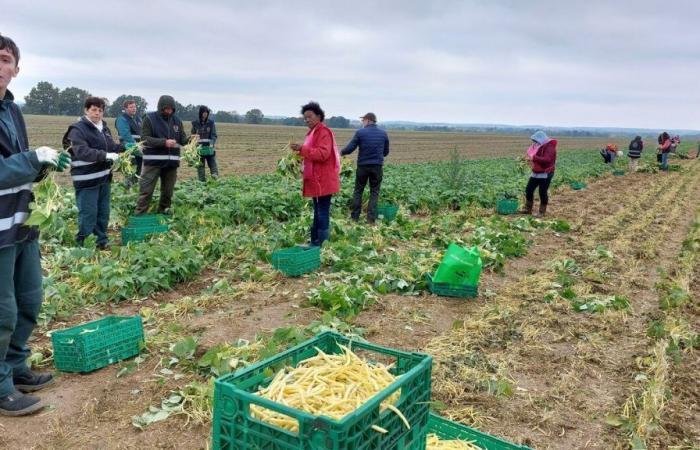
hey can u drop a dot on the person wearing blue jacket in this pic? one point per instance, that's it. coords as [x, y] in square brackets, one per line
[374, 147]
[21, 292]
[129, 127]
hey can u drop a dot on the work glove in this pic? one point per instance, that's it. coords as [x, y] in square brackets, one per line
[63, 161]
[112, 156]
[47, 155]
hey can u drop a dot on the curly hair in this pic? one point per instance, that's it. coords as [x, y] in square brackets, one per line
[315, 108]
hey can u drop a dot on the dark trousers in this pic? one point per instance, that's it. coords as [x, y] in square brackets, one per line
[373, 174]
[542, 184]
[321, 226]
[213, 168]
[93, 212]
[21, 295]
[149, 179]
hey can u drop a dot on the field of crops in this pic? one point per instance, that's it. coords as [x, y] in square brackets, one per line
[582, 335]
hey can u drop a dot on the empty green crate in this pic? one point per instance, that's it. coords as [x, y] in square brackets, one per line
[297, 260]
[618, 172]
[97, 344]
[448, 430]
[507, 206]
[235, 428]
[137, 234]
[577, 185]
[452, 290]
[387, 212]
[145, 220]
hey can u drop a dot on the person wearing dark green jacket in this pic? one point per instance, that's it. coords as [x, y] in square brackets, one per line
[163, 134]
[205, 128]
[21, 291]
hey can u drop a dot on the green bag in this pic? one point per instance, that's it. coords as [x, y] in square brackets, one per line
[459, 266]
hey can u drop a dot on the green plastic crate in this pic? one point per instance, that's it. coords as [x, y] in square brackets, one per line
[139, 233]
[577, 185]
[297, 260]
[97, 344]
[448, 430]
[387, 212]
[235, 428]
[146, 220]
[452, 290]
[507, 206]
[205, 150]
[618, 172]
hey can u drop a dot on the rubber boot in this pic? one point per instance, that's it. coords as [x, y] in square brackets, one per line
[542, 211]
[528, 207]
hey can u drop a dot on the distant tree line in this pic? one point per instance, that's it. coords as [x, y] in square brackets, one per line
[47, 99]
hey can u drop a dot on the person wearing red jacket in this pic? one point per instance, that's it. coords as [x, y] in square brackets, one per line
[542, 163]
[321, 169]
[664, 150]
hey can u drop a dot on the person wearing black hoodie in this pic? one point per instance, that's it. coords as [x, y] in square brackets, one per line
[205, 128]
[162, 134]
[634, 152]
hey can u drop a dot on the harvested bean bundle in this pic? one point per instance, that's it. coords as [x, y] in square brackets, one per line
[328, 385]
[124, 164]
[190, 152]
[435, 443]
[289, 166]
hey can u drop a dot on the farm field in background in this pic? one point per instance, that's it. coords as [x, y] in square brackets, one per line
[584, 333]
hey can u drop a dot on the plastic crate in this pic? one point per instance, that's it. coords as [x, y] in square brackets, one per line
[235, 428]
[387, 212]
[507, 206]
[146, 220]
[139, 233]
[205, 150]
[448, 430]
[577, 185]
[297, 260]
[618, 172]
[452, 290]
[97, 344]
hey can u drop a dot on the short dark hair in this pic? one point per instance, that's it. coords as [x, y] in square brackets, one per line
[95, 101]
[9, 44]
[128, 102]
[315, 108]
[663, 137]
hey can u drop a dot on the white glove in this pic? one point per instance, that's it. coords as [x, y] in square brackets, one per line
[112, 156]
[47, 155]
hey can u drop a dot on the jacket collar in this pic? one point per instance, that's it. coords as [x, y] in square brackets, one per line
[9, 98]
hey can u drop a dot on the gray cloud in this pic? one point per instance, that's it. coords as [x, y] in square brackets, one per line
[623, 63]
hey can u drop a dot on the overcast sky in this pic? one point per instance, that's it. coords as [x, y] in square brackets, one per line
[557, 63]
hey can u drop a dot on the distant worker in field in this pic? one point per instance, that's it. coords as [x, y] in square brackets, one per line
[163, 134]
[634, 152]
[205, 128]
[320, 168]
[129, 127]
[21, 291]
[542, 157]
[675, 142]
[664, 149]
[609, 153]
[697, 155]
[93, 150]
[374, 147]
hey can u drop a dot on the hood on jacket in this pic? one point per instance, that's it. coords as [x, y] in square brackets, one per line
[540, 137]
[202, 110]
[164, 101]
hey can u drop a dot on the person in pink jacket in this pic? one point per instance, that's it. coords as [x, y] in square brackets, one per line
[321, 169]
[542, 157]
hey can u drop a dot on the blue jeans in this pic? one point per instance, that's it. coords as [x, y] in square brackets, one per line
[93, 212]
[21, 294]
[664, 161]
[321, 226]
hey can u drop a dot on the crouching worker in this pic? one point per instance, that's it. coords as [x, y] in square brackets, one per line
[93, 150]
[21, 291]
[542, 157]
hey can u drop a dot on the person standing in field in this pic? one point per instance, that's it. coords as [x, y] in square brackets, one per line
[129, 127]
[163, 134]
[664, 150]
[542, 157]
[321, 169]
[634, 152]
[374, 147]
[205, 128]
[697, 155]
[93, 150]
[21, 292]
